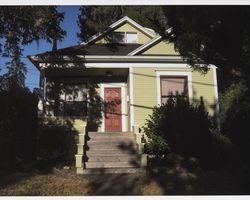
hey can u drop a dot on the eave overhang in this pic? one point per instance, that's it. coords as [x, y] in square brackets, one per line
[36, 60]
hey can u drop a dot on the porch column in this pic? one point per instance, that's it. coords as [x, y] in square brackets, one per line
[80, 126]
[140, 146]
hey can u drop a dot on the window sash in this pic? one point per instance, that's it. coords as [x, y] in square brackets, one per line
[173, 86]
[119, 37]
[125, 37]
[131, 37]
[74, 100]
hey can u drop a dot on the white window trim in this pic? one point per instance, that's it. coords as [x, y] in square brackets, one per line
[188, 74]
[123, 98]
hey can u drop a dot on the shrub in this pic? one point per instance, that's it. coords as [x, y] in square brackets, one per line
[56, 140]
[235, 117]
[18, 123]
[180, 128]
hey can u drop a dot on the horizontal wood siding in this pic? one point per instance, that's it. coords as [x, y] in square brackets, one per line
[161, 48]
[145, 91]
[203, 86]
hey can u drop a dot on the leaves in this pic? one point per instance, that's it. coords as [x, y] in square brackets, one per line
[21, 25]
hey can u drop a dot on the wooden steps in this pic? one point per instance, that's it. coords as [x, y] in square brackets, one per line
[111, 153]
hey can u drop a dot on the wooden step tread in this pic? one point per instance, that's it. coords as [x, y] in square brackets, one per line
[90, 165]
[112, 171]
[122, 158]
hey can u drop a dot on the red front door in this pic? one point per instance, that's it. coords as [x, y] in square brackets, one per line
[113, 117]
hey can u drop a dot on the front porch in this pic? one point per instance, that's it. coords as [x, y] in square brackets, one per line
[98, 103]
[101, 96]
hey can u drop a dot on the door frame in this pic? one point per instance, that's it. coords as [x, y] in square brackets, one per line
[123, 100]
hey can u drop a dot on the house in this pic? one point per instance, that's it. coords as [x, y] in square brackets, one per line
[113, 81]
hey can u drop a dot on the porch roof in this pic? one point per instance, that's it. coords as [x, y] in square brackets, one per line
[120, 49]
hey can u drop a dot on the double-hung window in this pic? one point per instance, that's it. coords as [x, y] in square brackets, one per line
[125, 37]
[173, 86]
[74, 100]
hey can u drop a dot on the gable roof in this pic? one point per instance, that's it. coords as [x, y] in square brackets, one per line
[117, 24]
[91, 51]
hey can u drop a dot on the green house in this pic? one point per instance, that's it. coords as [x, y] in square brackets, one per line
[112, 82]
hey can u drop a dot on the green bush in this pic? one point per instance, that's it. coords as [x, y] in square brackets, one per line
[56, 140]
[235, 118]
[18, 123]
[181, 128]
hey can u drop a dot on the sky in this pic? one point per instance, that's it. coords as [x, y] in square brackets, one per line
[69, 24]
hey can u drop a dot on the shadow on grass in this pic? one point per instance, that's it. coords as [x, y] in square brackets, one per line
[13, 173]
[175, 177]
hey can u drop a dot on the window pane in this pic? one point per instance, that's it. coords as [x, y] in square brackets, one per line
[173, 86]
[119, 37]
[74, 100]
[131, 37]
[75, 93]
[164, 100]
[75, 108]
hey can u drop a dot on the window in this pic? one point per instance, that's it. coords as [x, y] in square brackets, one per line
[125, 37]
[74, 100]
[173, 86]
[131, 37]
[119, 37]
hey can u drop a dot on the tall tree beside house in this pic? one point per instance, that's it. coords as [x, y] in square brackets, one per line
[21, 25]
[212, 34]
[94, 19]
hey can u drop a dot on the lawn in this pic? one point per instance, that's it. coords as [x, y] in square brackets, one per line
[159, 181]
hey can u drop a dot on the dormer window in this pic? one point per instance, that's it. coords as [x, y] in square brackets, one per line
[119, 37]
[125, 37]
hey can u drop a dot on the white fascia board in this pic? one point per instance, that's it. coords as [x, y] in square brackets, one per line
[137, 65]
[144, 46]
[117, 23]
[126, 58]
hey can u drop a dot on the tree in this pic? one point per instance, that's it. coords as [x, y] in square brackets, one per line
[21, 25]
[210, 34]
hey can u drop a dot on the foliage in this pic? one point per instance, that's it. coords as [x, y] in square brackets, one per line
[95, 108]
[18, 123]
[91, 21]
[210, 34]
[56, 139]
[235, 115]
[183, 129]
[21, 25]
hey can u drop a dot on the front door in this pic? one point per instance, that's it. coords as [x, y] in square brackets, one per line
[113, 114]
